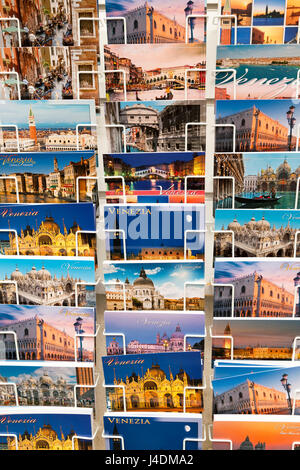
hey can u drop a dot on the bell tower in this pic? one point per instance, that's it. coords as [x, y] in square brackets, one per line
[32, 126]
[226, 25]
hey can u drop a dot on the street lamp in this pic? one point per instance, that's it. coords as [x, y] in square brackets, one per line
[291, 122]
[79, 331]
[188, 11]
[287, 387]
[166, 344]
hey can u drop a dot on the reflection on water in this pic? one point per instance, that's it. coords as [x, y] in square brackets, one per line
[148, 95]
[32, 198]
[287, 201]
[152, 184]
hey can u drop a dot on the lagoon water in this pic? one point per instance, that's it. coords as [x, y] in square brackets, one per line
[287, 201]
[268, 21]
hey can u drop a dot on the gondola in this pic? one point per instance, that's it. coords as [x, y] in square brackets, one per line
[257, 199]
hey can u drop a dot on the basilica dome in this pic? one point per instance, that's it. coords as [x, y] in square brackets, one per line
[177, 333]
[44, 275]
[263, 224]
[48, 431]
[33, 272]
[143, 280]
[234, 225]
[252, 223]
[284, 168]
[46, 380]
[156, 372]
[50, 226]
[16, 274]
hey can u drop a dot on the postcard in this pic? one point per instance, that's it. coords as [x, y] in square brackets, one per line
[262, 71]
[150, 431]
[150, 126]
[257, 288]
[154, 382]
[257, 125]
[155, 22]
[47, 229]
[257, 233]
[153, 285]
[24, 329]
[155, 72]
[47, 125]
[47, 177]
[256, 339]
[42, 24]
[258, 22]
[34, 428]
[256, 432]
[152, 178]
[256, 180]
[50, 281]
[46, 384]
[231, 369]
[153, 332]
[268, 392]
[152, 232]
[46, 73]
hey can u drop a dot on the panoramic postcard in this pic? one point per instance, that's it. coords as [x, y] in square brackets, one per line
[46, 430]
[156, 126]
[256, 339]
[154, 382]
[47, 229]
[259, 22]
[148, 431]
[32, 73]
[151, 232]
[154, 285]
[48, 177]
[154, 21]
[47, 125]
[153, 332]
[256, 432]
[152, 178]
[30, 384]
[46, 280]
[45, 23]
[260, 288]
[257, 233]
[155, 72]
[262, 71]
[257, 125]
[266, 392]
[261, 180]
[44, 333]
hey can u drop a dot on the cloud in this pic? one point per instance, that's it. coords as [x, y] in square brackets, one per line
[111, 268]
[170, 290]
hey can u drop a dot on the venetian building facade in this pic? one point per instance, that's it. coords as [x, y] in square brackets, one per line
[255, 131]
[44, 391]
[7, 393]
[145, 25]
[45, 439]
[48, 240]
[254, 296]
[155, 390]
[164, 343]
[251, 398]
[38, 340]
[231, 165]
[255, 238]
[282, 179]
[40, 288]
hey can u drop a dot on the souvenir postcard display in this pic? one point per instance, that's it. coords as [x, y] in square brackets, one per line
[49, 92]
[255, 342]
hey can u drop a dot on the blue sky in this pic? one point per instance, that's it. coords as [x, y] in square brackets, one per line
[79, 423]
[145, 326]
[158, 105]
[46, 113]
[18, 373]
[173, 362]
[160, 434]
[257, 50]
[141, 159]
[260, 6]
[279, 272]
[267, 378]
[168, 278]
[39, 162]
[82, 213]
[276, 109]
[255, 162]
[154, 226]
[278, 218]
[83, 268]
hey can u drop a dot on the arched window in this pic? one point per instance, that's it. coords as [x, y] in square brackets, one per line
[243, 122]
[135, 24]
[243, 290]
[26, 332]
[163, 28]
[155, 25]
